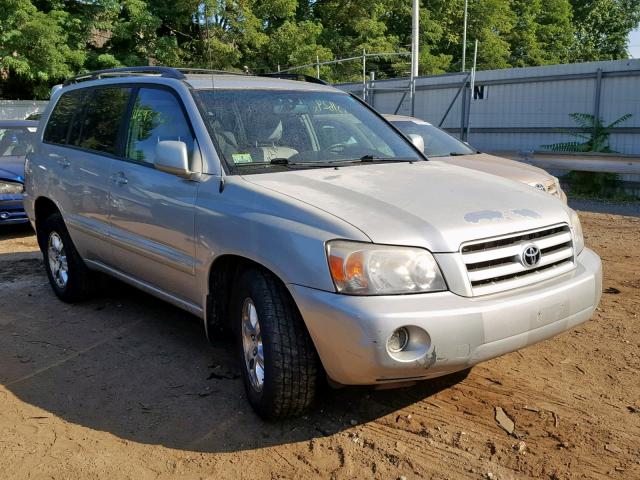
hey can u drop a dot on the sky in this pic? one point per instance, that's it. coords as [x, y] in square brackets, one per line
[634, 43]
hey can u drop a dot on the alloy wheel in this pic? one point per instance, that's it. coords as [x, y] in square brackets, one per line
[252, 345]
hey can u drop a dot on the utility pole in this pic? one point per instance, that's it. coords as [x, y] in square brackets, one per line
[415, 34]
[364, 74]
[464, 37]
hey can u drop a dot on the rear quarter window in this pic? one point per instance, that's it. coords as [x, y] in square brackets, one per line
[69, 106]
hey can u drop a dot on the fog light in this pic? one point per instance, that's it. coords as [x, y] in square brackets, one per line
[398, 340]
[4, 215]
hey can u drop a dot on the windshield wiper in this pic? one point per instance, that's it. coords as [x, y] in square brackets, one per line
[280, 161]
[284, 162]
[273, 161]
[373, 158]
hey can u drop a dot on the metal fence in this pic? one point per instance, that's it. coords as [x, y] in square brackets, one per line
[519, 109]
[20, 109]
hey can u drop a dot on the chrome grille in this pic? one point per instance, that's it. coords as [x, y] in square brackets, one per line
[494, 265]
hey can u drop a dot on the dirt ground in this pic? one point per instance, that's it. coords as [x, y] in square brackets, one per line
[126, 386]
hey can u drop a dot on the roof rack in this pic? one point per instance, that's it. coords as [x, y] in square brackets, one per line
[166, 72]
[179, 74]
[294, 76]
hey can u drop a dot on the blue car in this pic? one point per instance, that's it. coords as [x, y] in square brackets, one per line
[16, 140]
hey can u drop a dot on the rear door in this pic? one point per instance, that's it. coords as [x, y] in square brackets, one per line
[153, 212]
[80, 145]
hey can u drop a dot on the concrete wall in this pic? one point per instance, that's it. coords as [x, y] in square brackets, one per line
[20, 109]
[522, 108]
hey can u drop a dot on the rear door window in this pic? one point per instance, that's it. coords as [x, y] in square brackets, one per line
[157, 115]
[103, 116]
[69, 106]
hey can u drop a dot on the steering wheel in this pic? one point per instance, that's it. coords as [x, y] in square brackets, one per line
[336, 148]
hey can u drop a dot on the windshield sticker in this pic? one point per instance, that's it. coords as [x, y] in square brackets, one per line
[242, 158]
[327, 106]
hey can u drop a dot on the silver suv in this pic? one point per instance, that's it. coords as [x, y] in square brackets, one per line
[296, 216]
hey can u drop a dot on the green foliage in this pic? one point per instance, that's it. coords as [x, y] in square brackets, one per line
[542, 33]
[44, 41]
[595, 135]
[602, 28]
[34, 45]
[604, 185]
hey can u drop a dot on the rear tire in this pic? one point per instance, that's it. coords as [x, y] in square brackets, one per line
[68, 275]
[278, 360]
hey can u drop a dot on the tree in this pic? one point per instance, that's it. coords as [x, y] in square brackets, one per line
[602, 28]
[34, 47]
[295, 43]
[44, 41]
[542, 33]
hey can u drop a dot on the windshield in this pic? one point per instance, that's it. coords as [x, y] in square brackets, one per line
[16, 141]
[437, 143]
[278, 129]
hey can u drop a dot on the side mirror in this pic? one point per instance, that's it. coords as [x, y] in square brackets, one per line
[172, 157]
[417, 141]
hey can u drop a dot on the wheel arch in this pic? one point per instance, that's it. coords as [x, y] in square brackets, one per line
[44, 207]
[223, 272]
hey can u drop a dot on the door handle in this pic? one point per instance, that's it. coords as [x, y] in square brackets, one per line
[120, 178]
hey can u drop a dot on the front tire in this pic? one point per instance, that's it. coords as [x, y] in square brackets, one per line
[68, 275]
[279, 362]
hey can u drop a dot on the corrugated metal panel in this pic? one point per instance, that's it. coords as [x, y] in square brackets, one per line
[20, 109]
[531, 97]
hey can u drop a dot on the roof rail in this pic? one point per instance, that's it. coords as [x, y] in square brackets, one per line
[179, 74]
[166, 72]
[205, 71]
[294, 76]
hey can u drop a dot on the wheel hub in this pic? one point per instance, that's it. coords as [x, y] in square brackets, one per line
[57, 257]
[252, 345]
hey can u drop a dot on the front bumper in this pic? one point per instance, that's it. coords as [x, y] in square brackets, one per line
[12, 210]
[350, 332]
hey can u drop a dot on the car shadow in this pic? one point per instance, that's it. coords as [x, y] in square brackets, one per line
[16, 231]
[134, 366]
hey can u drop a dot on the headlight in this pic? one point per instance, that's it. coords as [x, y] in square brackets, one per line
[11, 187]
[368, 269]
[576, 230]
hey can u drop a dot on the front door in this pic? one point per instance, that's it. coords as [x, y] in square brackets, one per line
[152, 212]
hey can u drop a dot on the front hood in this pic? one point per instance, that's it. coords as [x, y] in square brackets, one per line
[12, 169]
[429, 204]
[503, 167]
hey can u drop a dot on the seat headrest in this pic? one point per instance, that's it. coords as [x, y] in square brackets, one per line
[265, 131]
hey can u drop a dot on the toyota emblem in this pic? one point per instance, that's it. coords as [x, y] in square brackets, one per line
[531, 256]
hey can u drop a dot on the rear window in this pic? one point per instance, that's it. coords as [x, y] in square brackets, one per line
[69, 106]
[102, 119]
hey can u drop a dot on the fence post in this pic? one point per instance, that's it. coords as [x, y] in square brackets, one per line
[463, 109]
[596, 99]
[372, 86]
[364, 74]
